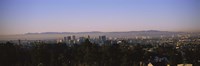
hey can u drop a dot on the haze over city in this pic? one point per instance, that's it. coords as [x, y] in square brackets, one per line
[30, 16]
[99, 32]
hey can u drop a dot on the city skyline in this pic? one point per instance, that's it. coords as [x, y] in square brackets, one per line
[32, 16]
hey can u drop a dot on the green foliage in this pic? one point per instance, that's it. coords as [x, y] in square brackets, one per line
[87, 54]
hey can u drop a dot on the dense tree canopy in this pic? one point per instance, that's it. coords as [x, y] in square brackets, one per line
[89, 54]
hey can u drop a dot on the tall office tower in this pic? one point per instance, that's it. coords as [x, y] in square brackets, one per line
[19, 41]
[88, 36]
[73, 37]
[69, 38]
[102, 39]
[81, 39]
[65, 39]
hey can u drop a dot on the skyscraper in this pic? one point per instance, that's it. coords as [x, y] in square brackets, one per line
[102, 39]
[73, 37]
[68, 38]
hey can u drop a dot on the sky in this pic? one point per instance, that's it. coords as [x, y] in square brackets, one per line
[25, 16]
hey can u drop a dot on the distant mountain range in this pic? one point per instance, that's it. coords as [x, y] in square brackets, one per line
[147, 31]
[126, 34]
[60, 35]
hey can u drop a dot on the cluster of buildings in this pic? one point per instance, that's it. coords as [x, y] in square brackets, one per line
[178, 40]
[74, 40]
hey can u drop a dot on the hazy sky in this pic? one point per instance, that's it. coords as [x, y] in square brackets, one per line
[22, 16]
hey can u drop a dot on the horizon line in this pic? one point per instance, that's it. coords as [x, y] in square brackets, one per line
[92, 31]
